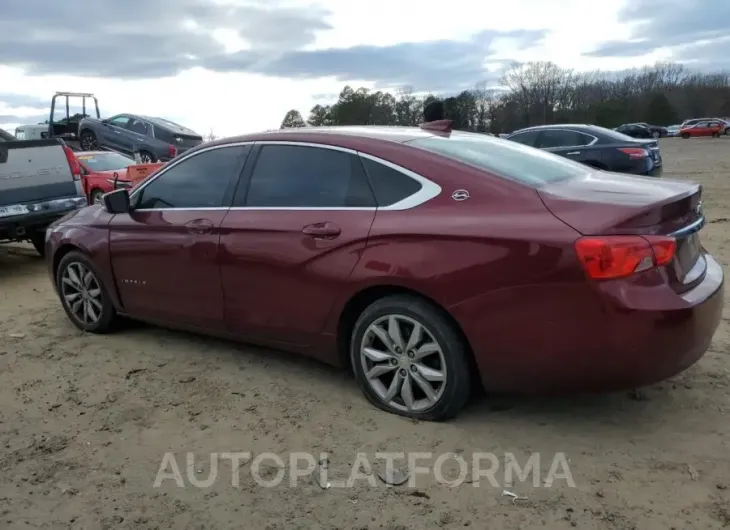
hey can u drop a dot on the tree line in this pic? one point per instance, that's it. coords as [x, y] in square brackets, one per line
[539, 93]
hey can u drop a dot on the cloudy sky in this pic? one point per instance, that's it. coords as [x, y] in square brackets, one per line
[237, 66]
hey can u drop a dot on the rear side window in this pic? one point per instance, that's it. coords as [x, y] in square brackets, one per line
[200, 181]
[292, 176]
[562, 138]
[504, 158]
[390, 186]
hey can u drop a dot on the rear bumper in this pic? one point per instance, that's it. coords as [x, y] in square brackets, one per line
[598, 337]
[37, 216]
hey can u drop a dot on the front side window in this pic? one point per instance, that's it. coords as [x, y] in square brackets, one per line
[200, 181]
[525, 138]
[511, 160]
[292, 176]
[120, 121]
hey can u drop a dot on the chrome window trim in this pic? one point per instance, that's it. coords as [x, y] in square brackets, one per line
[428, 191]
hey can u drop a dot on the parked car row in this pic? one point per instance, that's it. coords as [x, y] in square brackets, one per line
[642, 130]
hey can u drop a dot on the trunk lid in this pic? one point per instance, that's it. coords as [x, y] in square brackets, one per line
[602, 203]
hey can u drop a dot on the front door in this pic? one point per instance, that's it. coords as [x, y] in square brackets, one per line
[165, 253]
[112, 132]
[291, 241]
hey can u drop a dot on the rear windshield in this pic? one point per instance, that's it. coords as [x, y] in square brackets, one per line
[504, 158]
[105, 161]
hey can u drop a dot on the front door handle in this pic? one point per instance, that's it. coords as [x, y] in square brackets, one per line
[573, 153]
[199, 226]
[322, 230]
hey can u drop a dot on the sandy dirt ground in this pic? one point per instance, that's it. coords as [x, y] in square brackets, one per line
[85, 422]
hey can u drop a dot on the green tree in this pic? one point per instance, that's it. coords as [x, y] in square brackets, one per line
[320, 115]
[660, 111]
[292, 120]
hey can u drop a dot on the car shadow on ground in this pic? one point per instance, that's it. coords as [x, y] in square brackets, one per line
[640, 409]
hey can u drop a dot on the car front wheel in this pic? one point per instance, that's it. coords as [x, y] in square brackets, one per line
[83, 295]
[410, 360]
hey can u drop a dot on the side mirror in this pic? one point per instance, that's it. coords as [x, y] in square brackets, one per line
[116, 201]
[105, 121]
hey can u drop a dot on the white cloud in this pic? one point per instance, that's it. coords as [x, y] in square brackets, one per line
[233, 103]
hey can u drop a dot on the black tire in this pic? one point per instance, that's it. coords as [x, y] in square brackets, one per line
[656, 134]
[685, 136]
[108, 315]
[88, 140]
[95, 194]
[458, 382]
[147, 157]
[716, 135]
[38, 240]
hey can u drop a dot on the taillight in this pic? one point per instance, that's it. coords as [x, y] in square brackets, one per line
[635, 153]
[610, 257]
[73, 162]
[172, 150]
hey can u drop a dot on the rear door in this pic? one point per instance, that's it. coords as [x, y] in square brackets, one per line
[136, 134]
[570, 144]
[299, 224]
[165, 251]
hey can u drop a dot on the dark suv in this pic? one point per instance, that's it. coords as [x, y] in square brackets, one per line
[156, 139]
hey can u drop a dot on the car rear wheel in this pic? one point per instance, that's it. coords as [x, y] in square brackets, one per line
[656, 134]
[146, 157]
[88, 141]
[410, 360]
[83, 295]
[685, 135]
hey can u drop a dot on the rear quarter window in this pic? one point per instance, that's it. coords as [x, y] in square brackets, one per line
[389, 186]
[503, 158]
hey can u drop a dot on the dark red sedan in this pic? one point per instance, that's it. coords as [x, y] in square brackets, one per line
[423, 259]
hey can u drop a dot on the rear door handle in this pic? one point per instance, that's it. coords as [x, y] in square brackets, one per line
[322, 230]
[199, 226]
[573, 153]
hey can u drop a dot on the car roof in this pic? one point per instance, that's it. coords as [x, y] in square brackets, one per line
[333, 134]
[593, 129]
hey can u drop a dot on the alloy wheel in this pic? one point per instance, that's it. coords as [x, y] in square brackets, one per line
[145, 158]
[81, 292]
[403, 363]
[88, 142]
